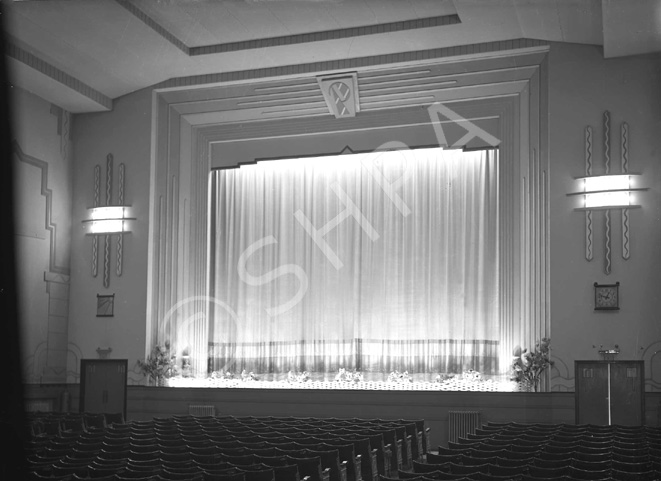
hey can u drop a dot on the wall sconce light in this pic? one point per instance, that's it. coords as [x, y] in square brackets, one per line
[108, 220]
[608, 192]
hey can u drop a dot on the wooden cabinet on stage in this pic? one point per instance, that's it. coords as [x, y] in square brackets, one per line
[610, 392]
[103, 385]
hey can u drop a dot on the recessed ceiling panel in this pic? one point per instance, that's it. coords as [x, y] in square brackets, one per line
[206, 22]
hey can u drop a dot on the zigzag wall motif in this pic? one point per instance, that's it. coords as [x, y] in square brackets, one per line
[120, 236]
[624, 134]
[626, 249]
[106, 245]
[607, 242]
[48, 194]
[589, 251]
[48, 362]
[607, 214]
[106, 261]
[607, 142]
[95, 239]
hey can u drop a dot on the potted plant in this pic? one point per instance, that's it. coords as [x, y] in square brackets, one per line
[528, 366]
[159, 365]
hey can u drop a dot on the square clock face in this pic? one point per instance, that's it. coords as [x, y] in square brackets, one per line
[606, 297]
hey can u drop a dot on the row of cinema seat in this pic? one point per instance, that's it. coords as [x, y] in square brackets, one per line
[534, 452]
[44, 425]
[228, 448]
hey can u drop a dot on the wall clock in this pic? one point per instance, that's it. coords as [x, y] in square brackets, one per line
[606, 297]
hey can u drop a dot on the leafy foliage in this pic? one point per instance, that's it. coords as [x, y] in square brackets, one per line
[528, 366]
[160, 363]
[348, 376]
[293, 376]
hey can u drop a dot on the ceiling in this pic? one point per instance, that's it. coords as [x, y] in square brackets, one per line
[82, 54]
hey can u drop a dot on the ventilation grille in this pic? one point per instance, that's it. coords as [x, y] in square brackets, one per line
[201, 410]
[461, 423]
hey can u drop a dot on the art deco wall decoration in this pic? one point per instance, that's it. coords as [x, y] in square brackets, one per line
[608, 192]
[108, 220]
[341, 94]
[105, 305]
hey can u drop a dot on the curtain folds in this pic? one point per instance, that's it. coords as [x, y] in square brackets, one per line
[376, 262]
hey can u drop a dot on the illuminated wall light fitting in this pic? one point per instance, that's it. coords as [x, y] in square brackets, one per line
[608, 191]
[108, 220]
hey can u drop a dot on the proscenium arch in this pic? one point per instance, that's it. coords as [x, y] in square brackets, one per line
[197, 129]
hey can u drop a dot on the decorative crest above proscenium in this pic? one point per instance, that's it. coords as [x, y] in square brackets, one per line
[341, 94]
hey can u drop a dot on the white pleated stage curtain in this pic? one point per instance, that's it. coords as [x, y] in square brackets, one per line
[374, 262]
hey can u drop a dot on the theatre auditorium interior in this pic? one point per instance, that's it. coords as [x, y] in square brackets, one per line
[331, 240]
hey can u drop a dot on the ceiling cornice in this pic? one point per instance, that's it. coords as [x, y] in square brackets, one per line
[154, 25]
[311, 37]
[19, 54]
[351, 63]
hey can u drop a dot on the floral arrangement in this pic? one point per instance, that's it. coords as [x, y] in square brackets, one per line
[298, 376]
[348, 376]
[472, 375]
[444, 377]
[223, 375]
[248, 376]
[528, 366]
[160, 363]
[401, 377]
